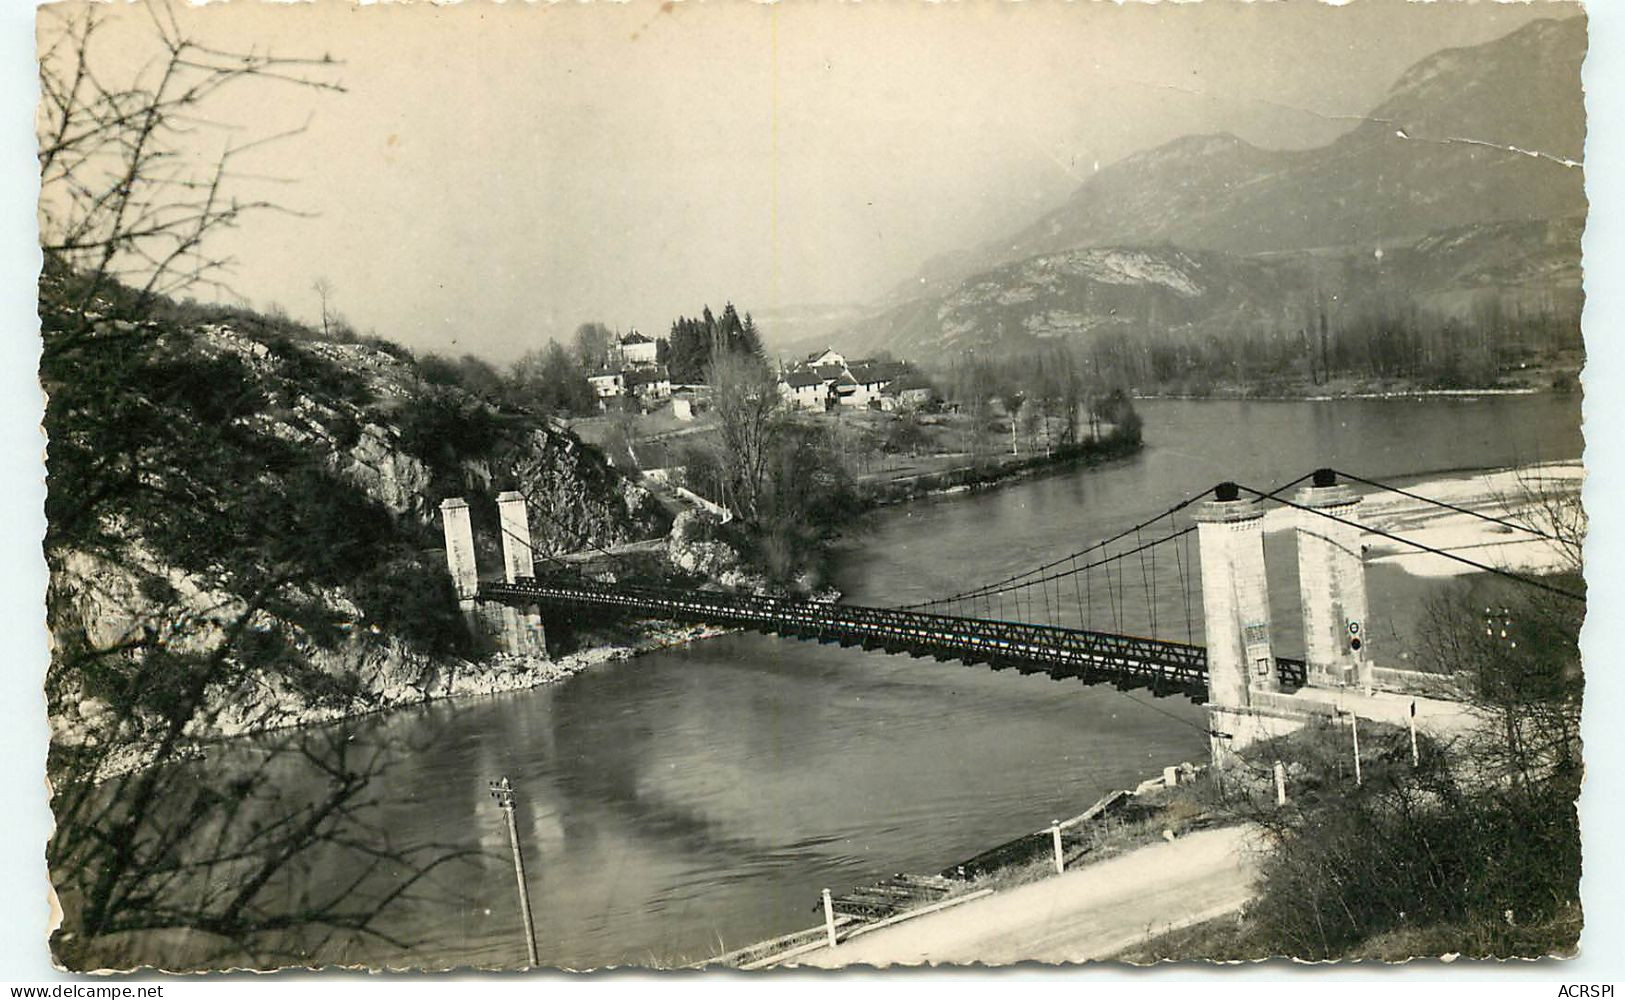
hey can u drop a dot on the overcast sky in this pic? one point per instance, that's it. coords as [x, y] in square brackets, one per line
[495, 175]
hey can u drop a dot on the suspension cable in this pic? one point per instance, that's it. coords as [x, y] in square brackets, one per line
[1515, 577]
[1181, 505]
[1450, 506]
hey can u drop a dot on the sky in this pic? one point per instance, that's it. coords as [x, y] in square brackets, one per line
[495, 175]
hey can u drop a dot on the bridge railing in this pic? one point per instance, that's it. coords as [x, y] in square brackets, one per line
[1062, 651]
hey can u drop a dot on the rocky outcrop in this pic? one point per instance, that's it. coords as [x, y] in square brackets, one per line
[376, 464]
[331, 643]
[694, 547]
[575, 497]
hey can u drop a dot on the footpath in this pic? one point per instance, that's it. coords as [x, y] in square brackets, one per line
[1090, 913]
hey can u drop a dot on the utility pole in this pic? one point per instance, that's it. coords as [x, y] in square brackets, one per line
[503, 793]
[1354, 727]
[1416, 757]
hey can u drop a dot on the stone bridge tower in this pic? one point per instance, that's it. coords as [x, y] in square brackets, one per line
[1331, 583]
[1245, 698]
[1236, 609]
[512, 630]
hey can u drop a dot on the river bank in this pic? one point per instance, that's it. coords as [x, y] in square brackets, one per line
[1136, 864]
[1557, 375]
[457, 680]
[1306, 396]
[890, 489]
[1490, 509]
[462, 680]
[699, 797]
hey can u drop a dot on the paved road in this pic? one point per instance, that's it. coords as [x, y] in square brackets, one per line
[1090, 913]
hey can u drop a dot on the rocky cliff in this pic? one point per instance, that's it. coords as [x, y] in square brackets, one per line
[258, 514]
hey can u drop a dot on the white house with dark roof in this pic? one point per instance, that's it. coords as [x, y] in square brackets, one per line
[649, 383]
[828, 379]
[635, 349]
[828, 356]
[804, 389]
[868, 380]
[607, 384]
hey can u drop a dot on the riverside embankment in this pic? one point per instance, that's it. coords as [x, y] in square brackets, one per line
[1089, 913]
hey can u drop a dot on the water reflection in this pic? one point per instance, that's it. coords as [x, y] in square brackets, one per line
[681, 803]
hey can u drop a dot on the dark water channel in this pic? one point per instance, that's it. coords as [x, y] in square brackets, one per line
[693, 800]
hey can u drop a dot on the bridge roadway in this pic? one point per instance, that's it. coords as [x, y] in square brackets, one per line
[1162, 666]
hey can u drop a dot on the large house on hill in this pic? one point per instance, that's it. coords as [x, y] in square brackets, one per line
[632, 370]
[827, 380]
[633, 350]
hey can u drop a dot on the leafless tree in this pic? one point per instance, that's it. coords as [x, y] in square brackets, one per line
[745, 397]
[592, 345]
[1546, 506]
[324, 291]
[156, 476]
[136, 175]
[1518, 648]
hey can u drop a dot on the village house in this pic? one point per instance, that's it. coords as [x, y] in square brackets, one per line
[648, 383]
[828, 356]
[867, 380]
[827, 379]
[910, 391]
[607, 384]
[805, 390]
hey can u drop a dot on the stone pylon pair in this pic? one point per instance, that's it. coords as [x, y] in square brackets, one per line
[516, 631]
[1242, 670]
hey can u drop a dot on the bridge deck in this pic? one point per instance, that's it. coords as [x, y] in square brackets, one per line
[1163, 666]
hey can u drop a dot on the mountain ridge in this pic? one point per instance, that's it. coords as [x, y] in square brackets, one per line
[1480, 136]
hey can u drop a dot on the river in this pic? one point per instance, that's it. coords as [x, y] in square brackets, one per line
[693, 800]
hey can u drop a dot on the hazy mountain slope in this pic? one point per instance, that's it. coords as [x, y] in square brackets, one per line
[1450, 146]
[1096, 290]
[1130, 289]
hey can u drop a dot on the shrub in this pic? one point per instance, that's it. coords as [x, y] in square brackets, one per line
[1409, 849]
[443, 427]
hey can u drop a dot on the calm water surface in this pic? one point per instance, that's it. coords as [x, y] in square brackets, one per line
[694, 800]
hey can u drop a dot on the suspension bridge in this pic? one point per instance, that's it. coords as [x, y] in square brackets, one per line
[1101, 614]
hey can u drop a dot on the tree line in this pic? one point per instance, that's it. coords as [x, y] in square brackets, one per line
[1040, 400]
[1371, 340]
[694, 342]
[552, 380]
